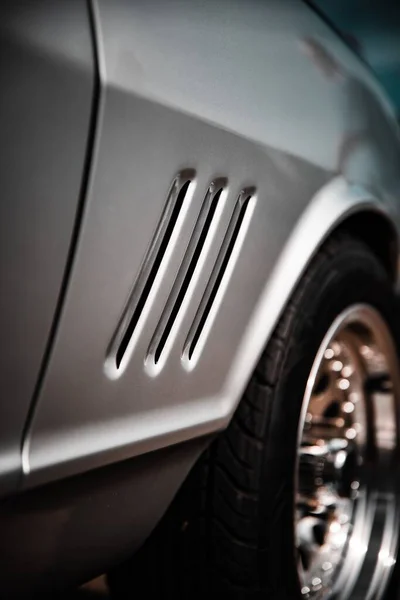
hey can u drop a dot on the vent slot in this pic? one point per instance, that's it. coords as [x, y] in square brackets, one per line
[195, 254]
[150, 268]
[229, 248]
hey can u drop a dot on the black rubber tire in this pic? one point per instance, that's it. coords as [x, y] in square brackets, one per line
[229, 532]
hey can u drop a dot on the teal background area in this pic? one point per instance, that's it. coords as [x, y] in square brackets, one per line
[375, 26]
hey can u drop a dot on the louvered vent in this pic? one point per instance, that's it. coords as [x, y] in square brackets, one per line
[223, 266]
[166, 230]
[187, 275]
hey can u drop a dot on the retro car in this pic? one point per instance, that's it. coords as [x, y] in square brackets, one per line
[200, 219]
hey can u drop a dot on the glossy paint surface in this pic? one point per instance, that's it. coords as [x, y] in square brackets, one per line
[260, 94]
[46, 83]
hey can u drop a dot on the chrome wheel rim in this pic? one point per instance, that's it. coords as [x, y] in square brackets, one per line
[346, 508]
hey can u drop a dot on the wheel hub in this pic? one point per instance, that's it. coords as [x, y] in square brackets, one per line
[345, 501]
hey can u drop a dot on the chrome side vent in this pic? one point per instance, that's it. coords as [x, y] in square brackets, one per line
[166, 232]
[219, 277]
[187, 276]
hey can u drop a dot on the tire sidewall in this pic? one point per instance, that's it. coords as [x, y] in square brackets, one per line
[348, 280]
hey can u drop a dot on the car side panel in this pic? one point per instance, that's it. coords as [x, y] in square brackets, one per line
[68, 532]
[46, 83]
[225, 90]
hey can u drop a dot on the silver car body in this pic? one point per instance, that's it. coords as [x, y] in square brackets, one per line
[221, 94]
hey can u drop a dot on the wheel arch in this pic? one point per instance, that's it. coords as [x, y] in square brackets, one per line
[338, 205]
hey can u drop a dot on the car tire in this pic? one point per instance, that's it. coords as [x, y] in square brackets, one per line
[232, 531]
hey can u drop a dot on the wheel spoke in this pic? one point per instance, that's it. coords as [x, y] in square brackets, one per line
[349, 409]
